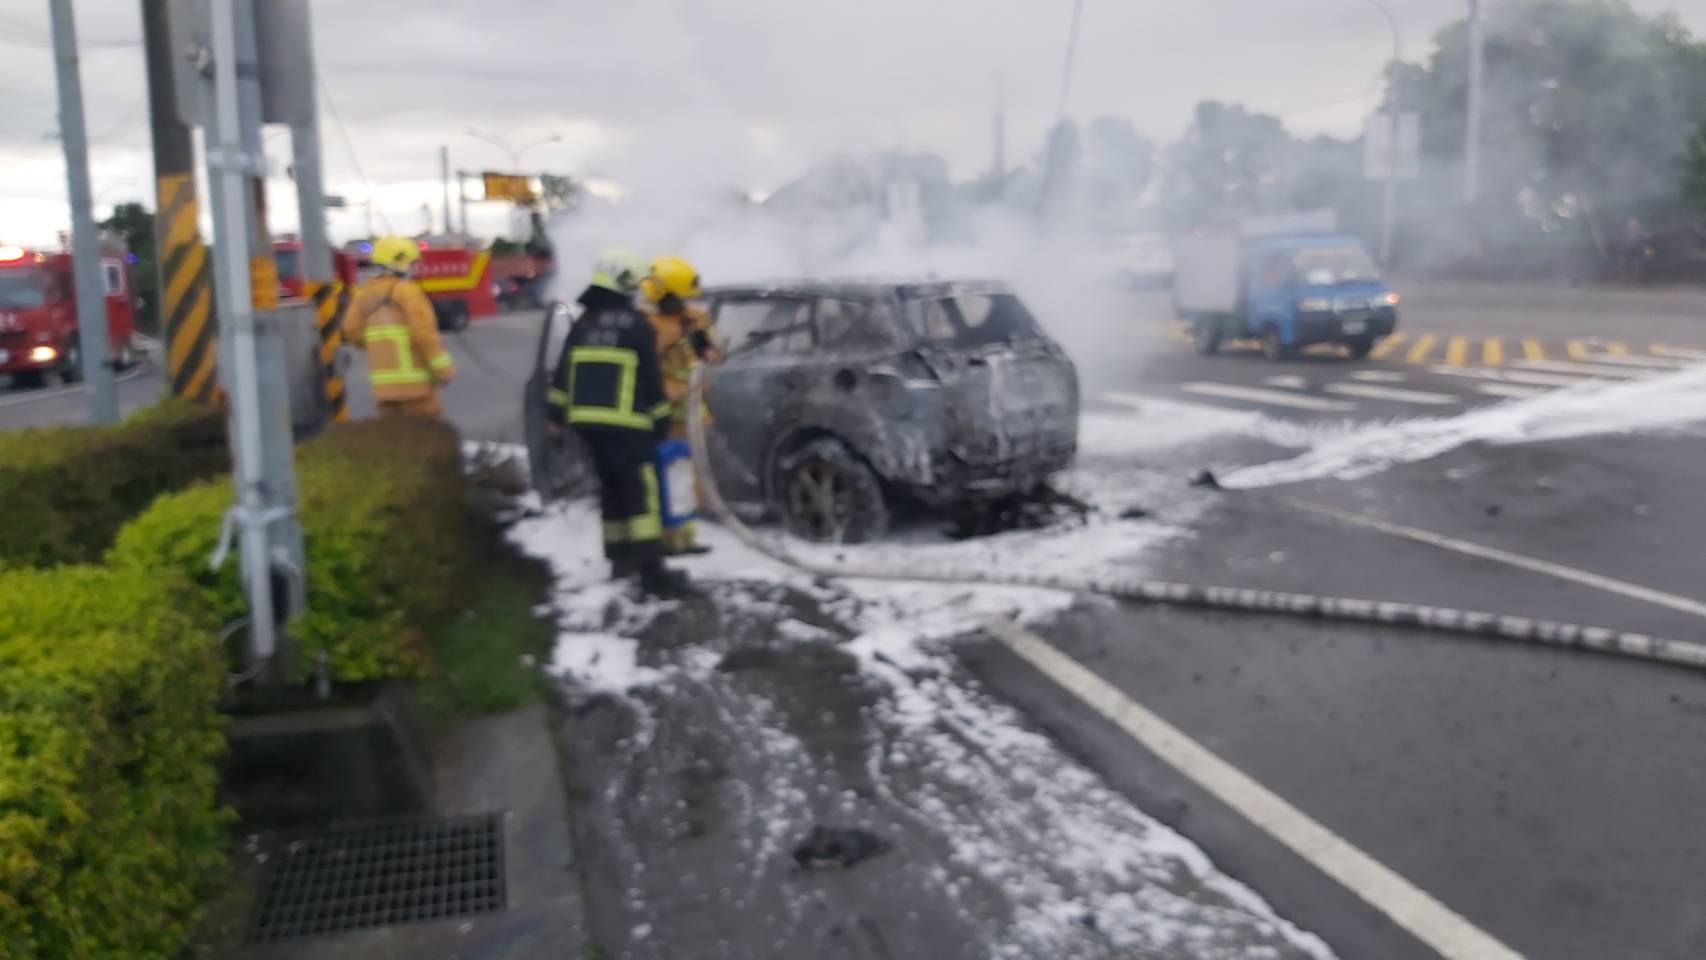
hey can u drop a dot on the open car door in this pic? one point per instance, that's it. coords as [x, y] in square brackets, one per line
[559, 466]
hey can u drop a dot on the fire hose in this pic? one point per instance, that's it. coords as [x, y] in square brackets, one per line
[1123, 586]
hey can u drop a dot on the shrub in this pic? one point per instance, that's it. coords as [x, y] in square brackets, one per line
[76, 486]
[110, 831]
[383, 524]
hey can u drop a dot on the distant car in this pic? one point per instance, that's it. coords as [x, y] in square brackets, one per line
[838, 402]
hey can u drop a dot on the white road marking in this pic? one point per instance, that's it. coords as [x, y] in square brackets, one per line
[1369, 391]
[1510, 390]
[1288, 381]
[1439, 927]
[1658, 364]
[1682, 352]
[1379, 376]
[1511, 376]
[1582, 369]
[36, 396]
[1273, 397]
[1620, 587]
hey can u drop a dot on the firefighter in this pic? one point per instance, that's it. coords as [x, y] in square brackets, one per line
[391, 319]
[610, 392]
[683, 340]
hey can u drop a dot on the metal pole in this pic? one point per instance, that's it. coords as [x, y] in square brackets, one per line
[93, 329]
[311, 201]
[1389, 205]
[462, 198]
[229, 168]
[1472, 136]
[444, 179]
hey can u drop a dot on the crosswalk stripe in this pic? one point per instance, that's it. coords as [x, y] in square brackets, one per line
[1581, 369]
[1616, 348]
[1274, 397]
[1511, 376]
[1683, 352]
[1457, 351]
[1419, 352]
[1493, 352]
[1369, 391]
[1577, 349]
[1532, 350]
[1510, 390]
[1650, 363]
[1386, 347]
[1378, 376]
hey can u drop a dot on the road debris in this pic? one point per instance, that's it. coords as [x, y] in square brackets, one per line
[830, 847]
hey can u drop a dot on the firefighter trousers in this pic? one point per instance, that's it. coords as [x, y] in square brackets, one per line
[627, 497]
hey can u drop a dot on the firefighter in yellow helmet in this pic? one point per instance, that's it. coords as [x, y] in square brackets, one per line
[391, 319]
[683, 340]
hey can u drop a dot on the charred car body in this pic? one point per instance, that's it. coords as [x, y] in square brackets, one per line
[839, 401]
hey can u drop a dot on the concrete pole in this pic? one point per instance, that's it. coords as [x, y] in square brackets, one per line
[1389, 203]
[311, 189]
[462, 198]
[1472, 136]
[444, 179]
[93, 328]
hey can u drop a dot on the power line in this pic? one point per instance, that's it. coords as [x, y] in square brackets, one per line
[349, 147]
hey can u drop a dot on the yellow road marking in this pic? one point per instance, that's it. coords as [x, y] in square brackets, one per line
[1386, 347]
[1493, 352]
[1532, 350]
[1457, 352]
[1577, 349]
[1419, 352]
[1616, 348]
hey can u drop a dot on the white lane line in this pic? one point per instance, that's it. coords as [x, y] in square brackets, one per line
[1288, 381]
[1658, 364]
[1379, 376]
[1511, 376]
[1583, 369]
[1510, 390]
[1433, 923]
[36, 396]
[1369, 391]
[1273, 397]
[1623, 588]
[1682, 352]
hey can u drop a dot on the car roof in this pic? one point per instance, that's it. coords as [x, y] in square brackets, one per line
[863, 289]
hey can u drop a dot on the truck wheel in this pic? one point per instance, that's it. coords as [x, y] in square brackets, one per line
[125, 358]
[1359, 347]
[1206, 338]
[454, 317]
[1273, 347]
[71, 365]
[828, 494]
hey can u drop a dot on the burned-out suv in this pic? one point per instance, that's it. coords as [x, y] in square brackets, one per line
[838, 401]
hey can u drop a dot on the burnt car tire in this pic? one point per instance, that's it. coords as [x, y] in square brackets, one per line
[827, 493]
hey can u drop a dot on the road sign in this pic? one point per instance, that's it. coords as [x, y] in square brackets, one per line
[1377, 148]
[508, 186]
[336, 201]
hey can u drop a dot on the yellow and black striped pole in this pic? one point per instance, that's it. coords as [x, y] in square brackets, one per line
[329, 300]
[186, 282]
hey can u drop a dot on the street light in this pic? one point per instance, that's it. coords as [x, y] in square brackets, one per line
[502, 144]
[1389, 207]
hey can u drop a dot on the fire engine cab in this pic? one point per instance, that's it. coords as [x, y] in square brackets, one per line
[38, 315]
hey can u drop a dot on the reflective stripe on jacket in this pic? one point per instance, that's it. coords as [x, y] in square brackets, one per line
[608, 375]
[393, 321]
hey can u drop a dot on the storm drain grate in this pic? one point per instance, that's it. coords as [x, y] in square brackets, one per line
[377, 876]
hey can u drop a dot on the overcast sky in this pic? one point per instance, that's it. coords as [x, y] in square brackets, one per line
[737, 92]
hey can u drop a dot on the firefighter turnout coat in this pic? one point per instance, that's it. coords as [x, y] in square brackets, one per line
[392, 320]
[608, 376]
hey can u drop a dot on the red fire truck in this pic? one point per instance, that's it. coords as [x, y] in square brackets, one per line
[287, 253]
[38, 315]
[456, 278]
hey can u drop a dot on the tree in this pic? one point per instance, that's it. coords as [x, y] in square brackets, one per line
[133, 224]
[1230, 163]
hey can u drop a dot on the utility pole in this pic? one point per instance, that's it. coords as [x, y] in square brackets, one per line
[444, 179]
[319, 280]
[462, 199]
[92, 327]
[186, 280]
[1389, 204]
[1472, 136]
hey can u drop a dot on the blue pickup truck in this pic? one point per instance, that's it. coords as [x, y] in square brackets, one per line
[1283, 282]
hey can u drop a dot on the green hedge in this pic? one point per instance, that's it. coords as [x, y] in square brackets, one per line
[383, 522]
[70, 489]
[110, 830]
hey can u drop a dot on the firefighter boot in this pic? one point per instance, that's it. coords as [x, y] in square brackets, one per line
[659, 580]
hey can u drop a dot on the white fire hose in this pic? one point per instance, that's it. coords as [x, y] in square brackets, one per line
[1491, 626]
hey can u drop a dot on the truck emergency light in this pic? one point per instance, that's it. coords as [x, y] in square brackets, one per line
[9, 254]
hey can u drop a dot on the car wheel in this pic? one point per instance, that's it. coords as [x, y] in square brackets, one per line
[1273, 347]
[828, 494]
[71, 365]
[1206, 337]
[29, 379]
[1360, 347]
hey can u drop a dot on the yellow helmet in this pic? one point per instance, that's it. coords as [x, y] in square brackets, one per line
[396, 253]
[618, 270]
[671, 277]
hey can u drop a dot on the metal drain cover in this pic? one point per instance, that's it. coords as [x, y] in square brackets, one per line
[377, 876]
